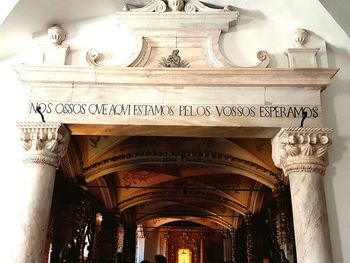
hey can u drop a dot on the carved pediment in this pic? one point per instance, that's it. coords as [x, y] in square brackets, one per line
[187, 27]
[175, 6]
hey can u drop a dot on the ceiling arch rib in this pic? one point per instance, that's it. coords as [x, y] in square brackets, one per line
[171, 195]
[189, 216]
[179, 209]
[155, 223]
[106, 193]
[140, 159]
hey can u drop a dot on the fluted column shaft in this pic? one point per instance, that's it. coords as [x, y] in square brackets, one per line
[302, 154]
[44, 144]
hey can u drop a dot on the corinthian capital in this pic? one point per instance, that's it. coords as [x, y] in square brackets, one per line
[301, 149]
[44, 142]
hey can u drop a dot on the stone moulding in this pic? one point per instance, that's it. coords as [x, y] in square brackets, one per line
[66, 76]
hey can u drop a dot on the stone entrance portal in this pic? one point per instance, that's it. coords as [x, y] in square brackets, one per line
[177, 133]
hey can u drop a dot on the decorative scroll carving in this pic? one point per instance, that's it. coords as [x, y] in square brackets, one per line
[174, 61]
[264, 59]
[197, 6]
[301, 149]
[157, 6]
[160, 6]
[44, 142]
[92, 56]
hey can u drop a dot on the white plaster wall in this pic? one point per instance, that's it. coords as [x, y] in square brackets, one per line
[152, 245]
[263, 25]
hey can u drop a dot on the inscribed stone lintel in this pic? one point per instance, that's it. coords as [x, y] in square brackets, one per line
[266, 98]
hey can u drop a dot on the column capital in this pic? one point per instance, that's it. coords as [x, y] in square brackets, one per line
[44, 142]
[301, 149]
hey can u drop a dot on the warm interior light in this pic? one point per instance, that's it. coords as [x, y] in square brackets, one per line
[184, 255]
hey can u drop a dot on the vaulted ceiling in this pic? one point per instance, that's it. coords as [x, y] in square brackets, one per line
[157, 180]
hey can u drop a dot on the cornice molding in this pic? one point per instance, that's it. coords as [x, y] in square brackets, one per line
[44, 142]
[66, 76]
[301, 149]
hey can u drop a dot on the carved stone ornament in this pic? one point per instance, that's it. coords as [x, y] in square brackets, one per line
[44, 142]
[56, 34]
[299, 37]
[301, 149]
[174, 61]
[161, 27]
[160, 6]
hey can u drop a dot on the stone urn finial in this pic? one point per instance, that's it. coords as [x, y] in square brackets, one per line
[299, 37]
[176, 5]
[56, 34]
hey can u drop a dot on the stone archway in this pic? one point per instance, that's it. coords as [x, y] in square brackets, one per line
[212, 99]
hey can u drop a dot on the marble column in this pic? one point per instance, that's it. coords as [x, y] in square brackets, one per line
[302, 154]
[44, 145]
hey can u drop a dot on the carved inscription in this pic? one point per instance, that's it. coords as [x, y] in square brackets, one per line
[154, 110]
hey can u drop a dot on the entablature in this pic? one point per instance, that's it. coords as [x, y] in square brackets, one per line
[43, 75]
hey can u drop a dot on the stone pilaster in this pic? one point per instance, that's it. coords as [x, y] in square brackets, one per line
[44, 145]
[302, 154]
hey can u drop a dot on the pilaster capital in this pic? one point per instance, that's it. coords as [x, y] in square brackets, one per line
[301, 149]
[44, 142]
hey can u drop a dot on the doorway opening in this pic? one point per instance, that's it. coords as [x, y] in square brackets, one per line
[184, 255]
